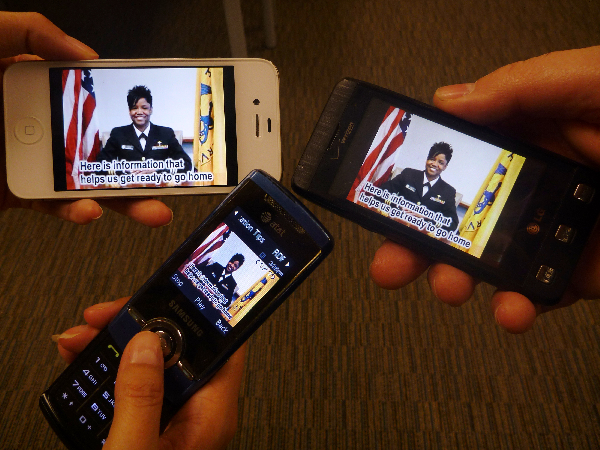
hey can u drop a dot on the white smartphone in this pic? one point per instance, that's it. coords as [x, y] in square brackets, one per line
[108, 128]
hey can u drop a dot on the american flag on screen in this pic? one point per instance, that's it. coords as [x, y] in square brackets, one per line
[381, 157]
[82, 132]
[209, 247]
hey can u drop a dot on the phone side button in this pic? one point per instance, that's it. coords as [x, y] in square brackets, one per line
[584, 193]
[545, 274]
[29, 130]
[565, 234]
[186, 369]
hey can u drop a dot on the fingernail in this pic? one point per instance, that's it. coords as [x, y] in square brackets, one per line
[170, 221]
[98, 306]
[56, 337]
[433, 290]
[144, 350]
[99, 215]
[454, 91]
[496, 311]
[80, 46]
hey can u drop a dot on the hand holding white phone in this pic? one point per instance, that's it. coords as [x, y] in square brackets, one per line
[33, 34]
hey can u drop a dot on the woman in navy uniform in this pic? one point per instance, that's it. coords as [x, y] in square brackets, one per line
[143, 140]
[222, 277]
[426, 187]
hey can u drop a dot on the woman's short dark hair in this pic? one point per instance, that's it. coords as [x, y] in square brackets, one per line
[238, 257]
[136, 93]
[440, 148]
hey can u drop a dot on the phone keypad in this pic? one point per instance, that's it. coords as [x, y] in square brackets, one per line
[88, 396]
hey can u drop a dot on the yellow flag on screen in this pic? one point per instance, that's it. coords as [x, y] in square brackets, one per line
[482, 215]
[209, 130]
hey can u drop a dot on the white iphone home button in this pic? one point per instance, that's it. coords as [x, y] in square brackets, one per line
[29, 130]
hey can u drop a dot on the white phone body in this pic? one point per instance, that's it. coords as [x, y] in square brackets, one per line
[52, 147]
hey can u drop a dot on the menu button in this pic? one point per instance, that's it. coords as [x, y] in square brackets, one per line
[546, 274]
[29, 130]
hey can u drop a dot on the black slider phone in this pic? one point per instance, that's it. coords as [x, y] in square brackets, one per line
[217, 288]
[514, 215]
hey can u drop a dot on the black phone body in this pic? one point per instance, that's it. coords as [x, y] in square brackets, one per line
[511, 214]
[201, 310]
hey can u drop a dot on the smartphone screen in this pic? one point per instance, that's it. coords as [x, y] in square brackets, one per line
[186, 114]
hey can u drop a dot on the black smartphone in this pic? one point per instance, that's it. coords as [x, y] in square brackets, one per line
[217, 288]
[514, 215]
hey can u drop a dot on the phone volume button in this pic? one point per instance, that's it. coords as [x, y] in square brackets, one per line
[28, 130]
[135, 314]
[185, 369]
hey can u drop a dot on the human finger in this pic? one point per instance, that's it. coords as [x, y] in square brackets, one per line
[80, 212]
[72, 341]
[394, 266]
[449, 284]
[561, 87]
[543, 86]
[150, 212]
[514, 312]
[209, 419]
[100, 314]
[29, 32]
[138, 395]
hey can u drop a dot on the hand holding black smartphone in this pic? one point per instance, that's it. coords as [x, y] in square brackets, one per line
[207, 299]
[508, 213]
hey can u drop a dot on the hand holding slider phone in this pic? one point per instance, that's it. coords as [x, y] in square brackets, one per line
[207, 420]
[525, 214]
[203, 303]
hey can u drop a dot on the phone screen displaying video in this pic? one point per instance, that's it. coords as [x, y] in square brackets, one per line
[143, 127]
[436, 180]
[232, 270]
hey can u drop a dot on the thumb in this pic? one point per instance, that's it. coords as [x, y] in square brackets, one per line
[138, 395]
[565, 83]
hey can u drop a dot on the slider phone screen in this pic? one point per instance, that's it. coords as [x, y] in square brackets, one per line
[191, 140]
[228, 274]
[204, 302]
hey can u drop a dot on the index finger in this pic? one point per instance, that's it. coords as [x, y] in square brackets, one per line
[34, 34]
